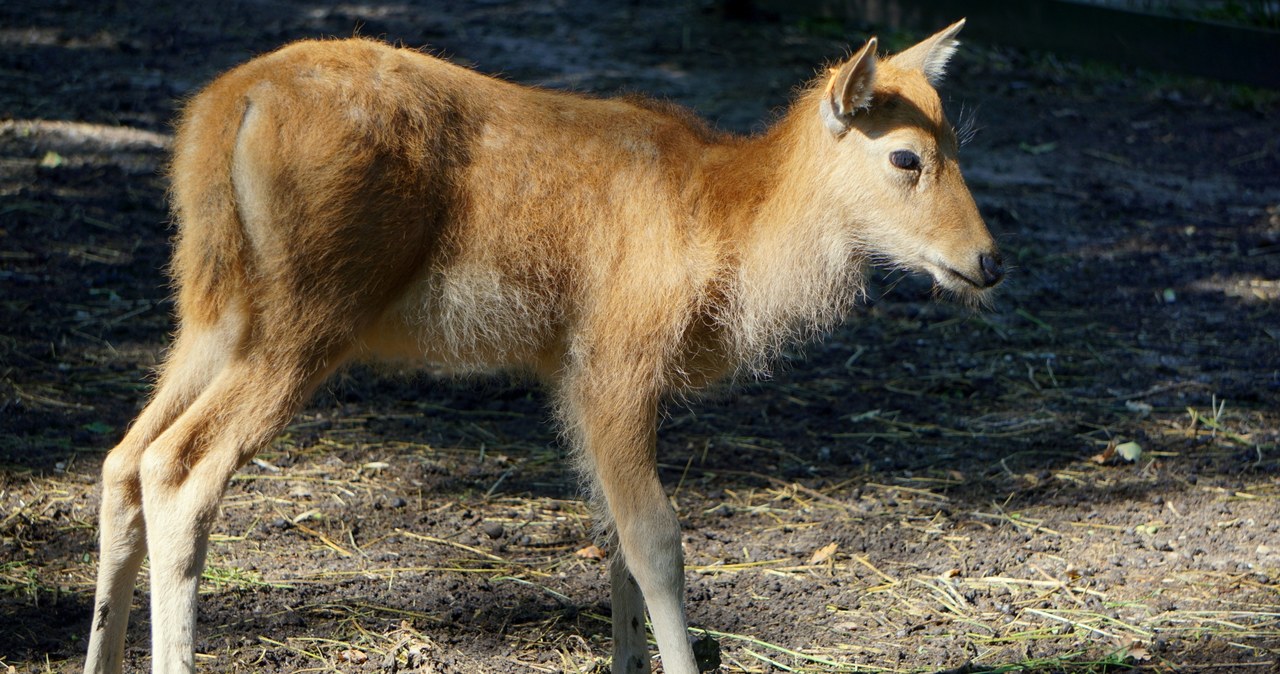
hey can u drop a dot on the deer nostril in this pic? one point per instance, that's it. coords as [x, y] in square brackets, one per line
[992, 268]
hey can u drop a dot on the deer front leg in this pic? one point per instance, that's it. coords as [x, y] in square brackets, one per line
[649, 536]
[616, 423]
[630, 648]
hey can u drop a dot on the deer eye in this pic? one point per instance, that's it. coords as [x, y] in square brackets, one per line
[905, 160]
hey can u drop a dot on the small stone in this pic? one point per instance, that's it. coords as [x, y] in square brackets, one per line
[494, 530]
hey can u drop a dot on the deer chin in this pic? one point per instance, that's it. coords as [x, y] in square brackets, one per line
[958, 284]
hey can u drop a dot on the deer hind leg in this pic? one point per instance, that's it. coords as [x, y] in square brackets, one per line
[630, 648]
[616, 426]
[186, 470]
[194, 359]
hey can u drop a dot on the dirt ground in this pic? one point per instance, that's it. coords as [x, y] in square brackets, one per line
[927, 488]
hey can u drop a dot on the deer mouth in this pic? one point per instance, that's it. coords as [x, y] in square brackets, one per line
[952, 279]
[952, 273]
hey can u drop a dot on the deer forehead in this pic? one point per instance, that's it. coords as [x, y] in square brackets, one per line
[905, 103]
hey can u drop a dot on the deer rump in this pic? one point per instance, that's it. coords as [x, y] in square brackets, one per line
[339, 200]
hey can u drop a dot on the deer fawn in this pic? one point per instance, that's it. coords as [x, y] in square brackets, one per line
[342, 200]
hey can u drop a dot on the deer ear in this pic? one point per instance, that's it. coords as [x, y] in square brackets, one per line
[850, 88]
[931, 55]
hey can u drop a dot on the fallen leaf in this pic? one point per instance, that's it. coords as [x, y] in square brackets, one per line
[824, 553]
[1137, 651]
[1129, 451]
[1150, 528]
[1103, 457]
[353, 656]
[591, 552]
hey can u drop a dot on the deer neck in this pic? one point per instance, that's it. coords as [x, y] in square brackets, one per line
[792, 265]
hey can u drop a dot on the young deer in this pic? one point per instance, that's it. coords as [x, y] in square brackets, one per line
[343, 200]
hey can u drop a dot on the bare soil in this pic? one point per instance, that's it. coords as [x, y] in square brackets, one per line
[927, 488]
